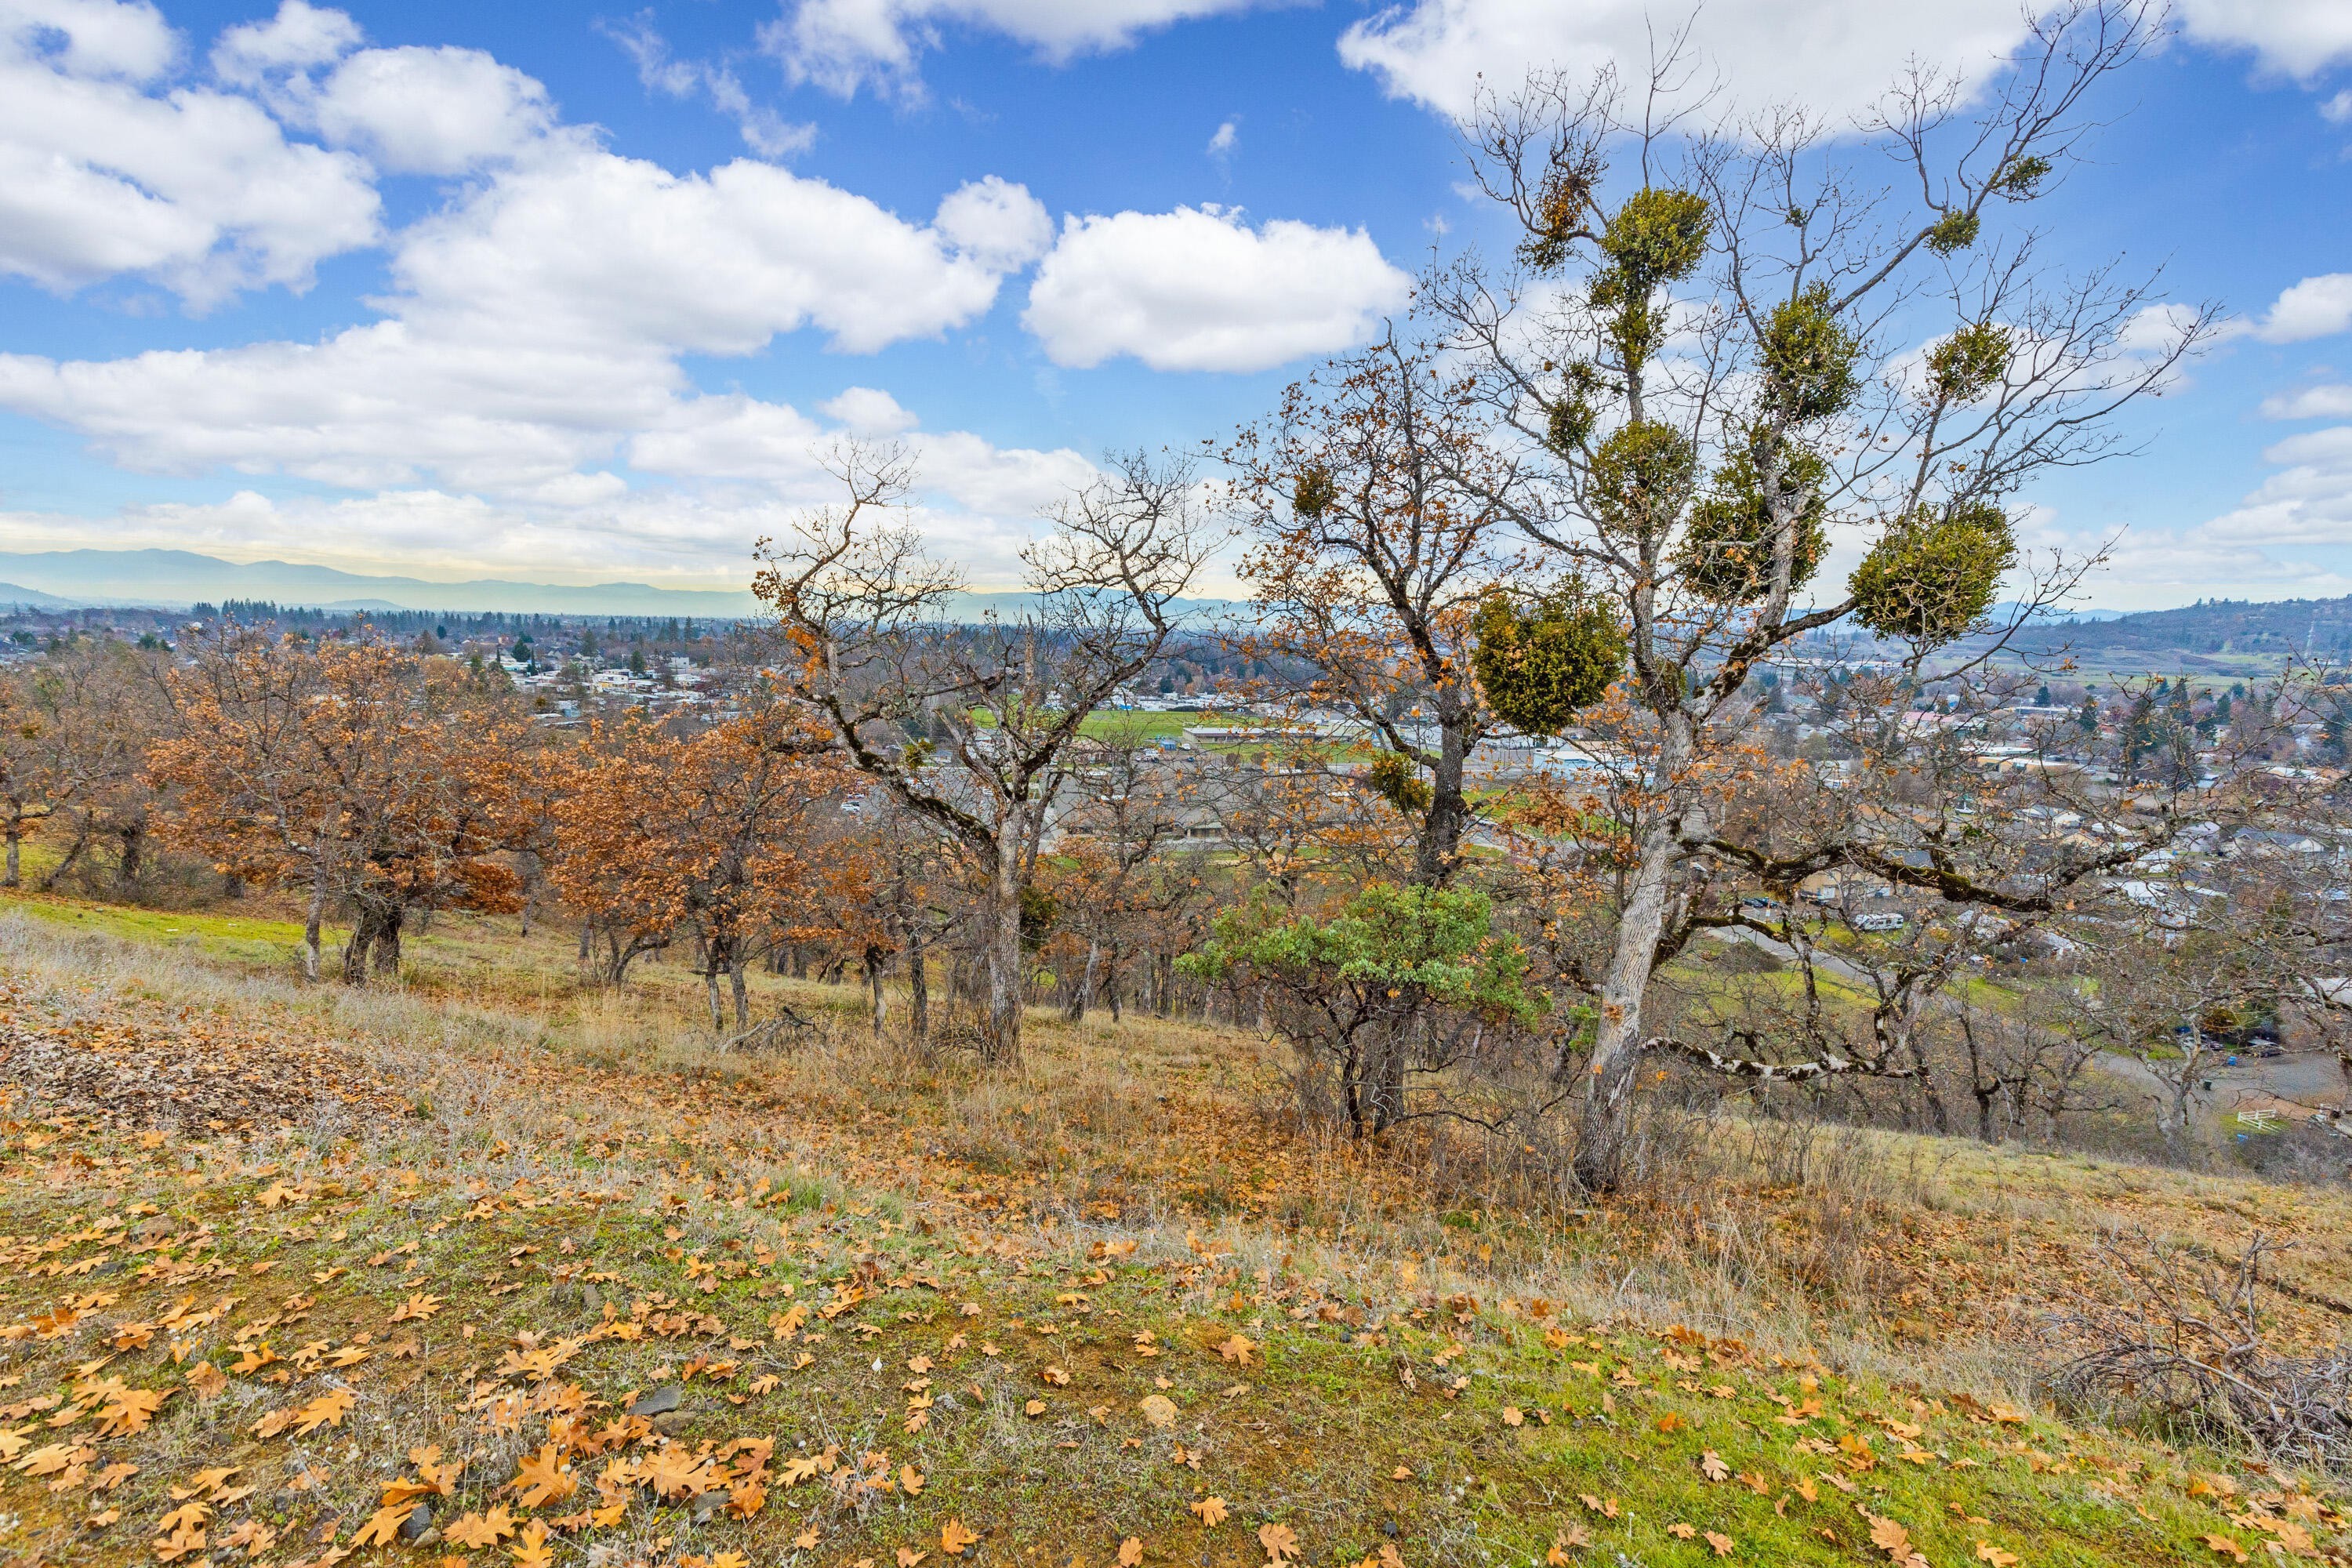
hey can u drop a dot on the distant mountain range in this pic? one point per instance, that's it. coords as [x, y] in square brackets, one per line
[175, 579]
[2202, 634]
[13, 596]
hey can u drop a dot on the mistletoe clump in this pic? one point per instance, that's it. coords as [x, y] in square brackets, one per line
[1933, 575]
[1727, 551]
[1542, 663]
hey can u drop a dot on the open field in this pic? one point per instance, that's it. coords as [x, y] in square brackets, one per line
[306, 1235]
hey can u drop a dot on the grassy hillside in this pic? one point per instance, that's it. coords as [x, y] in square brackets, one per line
[299, 1269]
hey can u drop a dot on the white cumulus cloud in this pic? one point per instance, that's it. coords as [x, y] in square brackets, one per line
[998, 223]
[1834, 55]
[418, 110]
[299, 37]
[2330, 402]
[1197, 289]
[844, 45]
[2295, 37]
[589, 246]
[106, 169]
[2318, 307]
[514, 353]
[2307, 502]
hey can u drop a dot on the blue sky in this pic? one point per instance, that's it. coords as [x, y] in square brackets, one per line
[577, 294]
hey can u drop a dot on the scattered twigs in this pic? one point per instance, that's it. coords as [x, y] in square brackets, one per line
[2189, 1346]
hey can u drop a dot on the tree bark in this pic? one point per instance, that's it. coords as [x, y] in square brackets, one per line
[375, 944]
[312, 921]
[741, 993]
[1081, 995]
[875, 961]
[133, 839]
[72, 855]
[1001, 1041]
[919, 999]
[1441, 831]
[385, 961]
[1617, 1042]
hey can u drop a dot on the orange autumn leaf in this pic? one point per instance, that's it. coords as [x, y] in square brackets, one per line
[384, 1525]
[328, 1410]
[531, 1550]
[179, 1543]
[954, 1537]
[1281, 1542]
[542, 1477]
[1211, 1509]
[1892, 1537]
[481, 1528]
[129, 1411]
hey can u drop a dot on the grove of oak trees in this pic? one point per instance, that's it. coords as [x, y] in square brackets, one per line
[1595, 485]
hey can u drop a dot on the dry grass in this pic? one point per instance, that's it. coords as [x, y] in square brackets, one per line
[1870, 1248]
[1911, 1274]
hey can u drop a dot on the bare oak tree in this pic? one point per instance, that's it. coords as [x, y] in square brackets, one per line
[972, 723]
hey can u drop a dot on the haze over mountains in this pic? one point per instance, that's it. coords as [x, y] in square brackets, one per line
[175, 578]
[2191, 637]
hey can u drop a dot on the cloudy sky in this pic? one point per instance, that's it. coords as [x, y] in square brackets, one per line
[572, 294]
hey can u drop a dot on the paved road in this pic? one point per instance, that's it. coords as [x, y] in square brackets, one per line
[2308, 1078]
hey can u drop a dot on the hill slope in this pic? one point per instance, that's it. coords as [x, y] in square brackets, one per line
[557, 1289]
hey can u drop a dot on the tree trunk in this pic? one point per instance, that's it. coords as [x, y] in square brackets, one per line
[1110, 985]
[1082, 994]
[385, 961]
[1617, 1040]
[1440, 829]
[16, 838]
[1001, 1041]
[73, 854]
[875, 961]
[710, 989]
[741, 995]
[133, 840]
[919, 999]
[312, 921]
[375, 944]
[1384, 1098]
